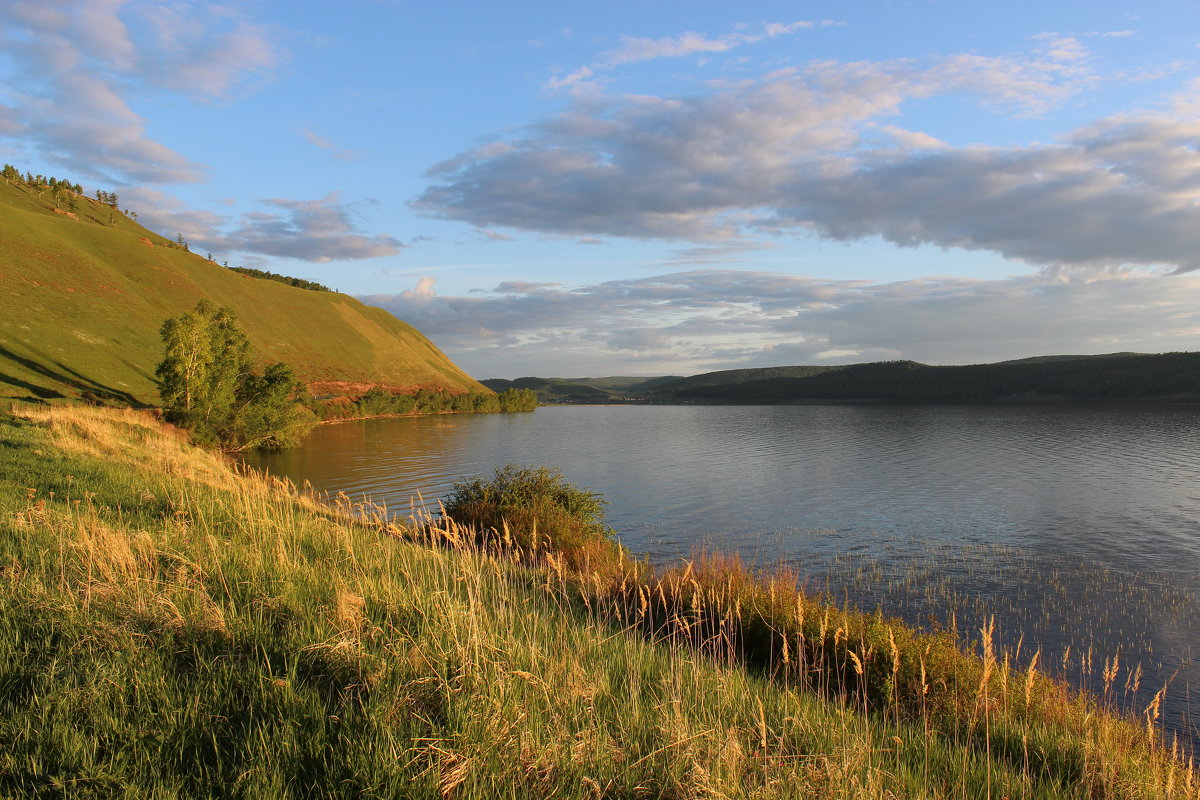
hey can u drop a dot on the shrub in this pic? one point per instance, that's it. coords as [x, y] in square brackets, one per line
[539, 510]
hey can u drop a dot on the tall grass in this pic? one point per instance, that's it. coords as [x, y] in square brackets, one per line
[171, 628]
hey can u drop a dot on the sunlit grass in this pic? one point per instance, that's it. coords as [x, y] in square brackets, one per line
[172, 628]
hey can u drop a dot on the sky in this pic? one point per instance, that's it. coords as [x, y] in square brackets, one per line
[650, 188]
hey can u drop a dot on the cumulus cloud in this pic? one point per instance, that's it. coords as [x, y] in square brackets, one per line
[718, 319]
[799, 152]
[78, 68]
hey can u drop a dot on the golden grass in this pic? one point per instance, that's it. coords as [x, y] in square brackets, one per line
[471, 673]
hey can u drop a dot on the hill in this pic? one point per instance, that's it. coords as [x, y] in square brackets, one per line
[86, 288]
[1115, 377]
[1110, 377]
[614, 389]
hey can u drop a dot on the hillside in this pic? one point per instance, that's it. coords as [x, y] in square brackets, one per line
[85, 290]
[171, 627]
[1115, 377]
[615, 389]
[1053, 378]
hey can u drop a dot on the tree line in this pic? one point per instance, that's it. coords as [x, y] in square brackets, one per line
[13, 175]
[1084, 378]
[299, 283]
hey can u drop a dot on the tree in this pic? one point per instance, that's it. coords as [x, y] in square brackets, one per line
[209, 387]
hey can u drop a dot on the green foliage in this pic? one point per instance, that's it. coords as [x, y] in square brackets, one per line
[208, 385]
[518, 400]
[299, 283]
[379, 402]
[537, 508]
[590, 391]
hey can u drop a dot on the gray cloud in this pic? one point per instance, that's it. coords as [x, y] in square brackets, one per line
[804, 152]
[716, 319]
[77, 66]
[310, 230]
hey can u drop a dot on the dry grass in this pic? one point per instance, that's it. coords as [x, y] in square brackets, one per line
[227, 639]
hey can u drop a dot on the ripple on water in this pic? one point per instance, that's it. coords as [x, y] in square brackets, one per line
[1075, 526]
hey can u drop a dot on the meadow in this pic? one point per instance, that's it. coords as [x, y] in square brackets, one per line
[171, 626]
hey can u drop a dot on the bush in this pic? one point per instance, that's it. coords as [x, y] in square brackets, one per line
[540, 510]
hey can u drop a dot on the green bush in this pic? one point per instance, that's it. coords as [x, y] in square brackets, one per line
[540, 511]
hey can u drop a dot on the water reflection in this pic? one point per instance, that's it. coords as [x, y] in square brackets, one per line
[1075, 526]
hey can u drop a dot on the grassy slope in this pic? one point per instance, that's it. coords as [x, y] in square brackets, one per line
[83, 301]
[170, 629]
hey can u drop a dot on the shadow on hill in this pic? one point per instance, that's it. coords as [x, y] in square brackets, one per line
[60, 373]
[36, 392]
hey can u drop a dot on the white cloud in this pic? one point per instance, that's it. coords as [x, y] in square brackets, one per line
[717, 319]
[78, 69]
[316, 140]
[308, 230]
[635, 49]
[797, 152]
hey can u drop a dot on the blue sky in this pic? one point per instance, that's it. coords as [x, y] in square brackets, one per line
[653, 188]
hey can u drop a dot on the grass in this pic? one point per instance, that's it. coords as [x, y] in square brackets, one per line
[172, 628]
[86, 293]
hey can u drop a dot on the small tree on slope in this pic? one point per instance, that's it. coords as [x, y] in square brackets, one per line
[209, 387]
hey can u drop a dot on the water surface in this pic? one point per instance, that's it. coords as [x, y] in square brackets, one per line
[1076, 526]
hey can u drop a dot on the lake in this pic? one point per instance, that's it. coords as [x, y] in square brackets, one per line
[1076, 526]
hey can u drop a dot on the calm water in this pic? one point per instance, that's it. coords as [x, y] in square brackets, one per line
[1077, 527]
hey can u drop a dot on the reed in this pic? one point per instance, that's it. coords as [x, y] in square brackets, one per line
[172, 627]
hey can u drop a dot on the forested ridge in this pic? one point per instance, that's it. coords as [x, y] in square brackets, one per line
[1168, 376]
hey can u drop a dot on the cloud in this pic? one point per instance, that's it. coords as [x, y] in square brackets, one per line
[799, 153]
[204, 48]
[78, 68]
[488, 235]
[585, 80]
[309, 230]
[719, 319]
[634, 48]
[316, 140]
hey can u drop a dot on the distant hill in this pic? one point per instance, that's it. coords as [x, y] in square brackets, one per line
[614, 389]
[1107, 377]
[85, 290]
[683, 387]
[1170, 376]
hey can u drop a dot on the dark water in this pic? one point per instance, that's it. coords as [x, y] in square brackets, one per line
[1075, 526]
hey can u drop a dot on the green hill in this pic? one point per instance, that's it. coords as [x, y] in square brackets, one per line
[1115, 377]
[1050, 378]
[614, 389]
[85, 290]
[556, 390]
